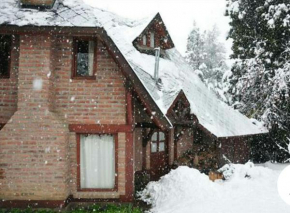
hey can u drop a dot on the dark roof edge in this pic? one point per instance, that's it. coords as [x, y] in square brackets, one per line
[40, 7]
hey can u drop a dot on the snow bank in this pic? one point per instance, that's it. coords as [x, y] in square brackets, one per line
[249, 189]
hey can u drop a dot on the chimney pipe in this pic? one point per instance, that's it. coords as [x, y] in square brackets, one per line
[157, 57]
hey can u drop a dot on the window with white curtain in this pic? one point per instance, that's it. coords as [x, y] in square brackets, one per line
[97, 162]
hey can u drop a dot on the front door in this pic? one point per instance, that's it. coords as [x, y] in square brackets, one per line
[158, 156]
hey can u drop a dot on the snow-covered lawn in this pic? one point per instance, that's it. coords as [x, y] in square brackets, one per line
[186, 190]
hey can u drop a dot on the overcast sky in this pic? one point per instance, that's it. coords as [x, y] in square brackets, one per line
[178, 15]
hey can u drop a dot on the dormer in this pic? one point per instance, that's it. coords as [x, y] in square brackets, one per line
[179, 111]
[153, 36]
[37, 4]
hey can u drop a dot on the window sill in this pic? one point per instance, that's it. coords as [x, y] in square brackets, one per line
[98, 190]
[84, 78]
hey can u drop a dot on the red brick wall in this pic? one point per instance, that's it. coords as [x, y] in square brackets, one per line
[8, 87]
[34, 143]
[89, 101]
[37, 152]
[99, 101]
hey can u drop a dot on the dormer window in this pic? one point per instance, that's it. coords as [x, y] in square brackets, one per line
[154, 35]
[144, 40]
[152, 40]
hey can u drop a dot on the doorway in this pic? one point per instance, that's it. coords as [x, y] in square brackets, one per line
[158, 155]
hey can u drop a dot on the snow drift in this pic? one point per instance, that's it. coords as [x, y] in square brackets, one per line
[249, 188]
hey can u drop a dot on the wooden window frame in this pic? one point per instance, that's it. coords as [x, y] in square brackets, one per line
[79, 189]
[9, 60]
[74, 58]
[158, 141]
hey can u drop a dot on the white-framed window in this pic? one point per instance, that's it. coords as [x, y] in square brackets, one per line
[144, 40]
[152, 39]
[97, 161]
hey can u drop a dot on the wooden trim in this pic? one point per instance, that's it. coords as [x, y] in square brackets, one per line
[100, 128]
[74, 58]
[146, 125]
[79, 189]
[129, 177]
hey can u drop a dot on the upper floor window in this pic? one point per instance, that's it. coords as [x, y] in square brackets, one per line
[152, 40]
[84, 58]
[144, 41]
[5, 55]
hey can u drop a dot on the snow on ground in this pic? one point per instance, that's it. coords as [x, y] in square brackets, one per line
[186, 190]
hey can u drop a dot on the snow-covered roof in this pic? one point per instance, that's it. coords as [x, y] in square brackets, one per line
[214, 115]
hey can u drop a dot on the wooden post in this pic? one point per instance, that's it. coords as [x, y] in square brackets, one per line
[129, 177]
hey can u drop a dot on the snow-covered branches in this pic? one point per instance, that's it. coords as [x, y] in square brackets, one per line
[260, 79]
[206, 55]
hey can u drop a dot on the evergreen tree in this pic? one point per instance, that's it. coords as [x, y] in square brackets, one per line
[195, 52]
[206, 55]
[259, 85]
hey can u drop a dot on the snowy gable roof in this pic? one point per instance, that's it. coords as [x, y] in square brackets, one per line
[176, 75]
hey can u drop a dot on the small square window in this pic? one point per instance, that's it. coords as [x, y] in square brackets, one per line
[84, 56]
[5, 55]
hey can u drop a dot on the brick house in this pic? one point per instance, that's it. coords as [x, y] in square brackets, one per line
[87, 100]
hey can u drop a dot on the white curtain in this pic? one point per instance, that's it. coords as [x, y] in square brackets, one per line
[97, 161]
[91, 57]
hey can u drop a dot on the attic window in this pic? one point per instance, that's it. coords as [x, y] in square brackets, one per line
[152, 40]
[5, 54]
[144, 41]
[84, 58]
